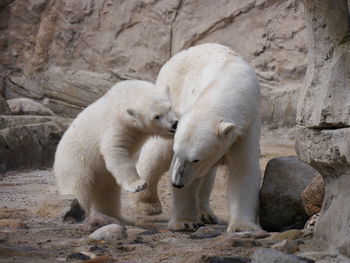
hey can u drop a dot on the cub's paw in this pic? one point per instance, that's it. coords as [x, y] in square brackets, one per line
[135, 186]
[97, 220]
[179, 225]
[242, 226]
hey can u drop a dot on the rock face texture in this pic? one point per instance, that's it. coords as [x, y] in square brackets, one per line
[323, 135]
[281, 206]
[67, 53]
[313, 196]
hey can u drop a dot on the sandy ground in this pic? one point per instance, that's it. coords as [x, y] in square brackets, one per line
[50, 240]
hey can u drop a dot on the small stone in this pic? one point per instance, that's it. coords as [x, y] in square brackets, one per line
[110, 232]
[289, 235]
[205, 232]
[101, 259]
[12, 224]
[79, 256]
[287, 246]
[251, 234]
[266, 255]
[312, 221]
[170, 240]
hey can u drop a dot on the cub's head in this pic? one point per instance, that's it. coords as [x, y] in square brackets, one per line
[154, 113]
[200, 142]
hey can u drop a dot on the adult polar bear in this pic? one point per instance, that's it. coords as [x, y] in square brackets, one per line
[218, 97]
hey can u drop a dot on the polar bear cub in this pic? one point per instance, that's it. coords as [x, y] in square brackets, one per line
[96, 155]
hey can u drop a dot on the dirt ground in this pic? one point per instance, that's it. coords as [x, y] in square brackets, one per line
[50, 240]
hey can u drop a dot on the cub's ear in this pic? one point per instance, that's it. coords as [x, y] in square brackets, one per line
[131, 112]
[224, 128]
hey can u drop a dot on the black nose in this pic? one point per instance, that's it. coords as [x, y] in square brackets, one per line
[174, 126]
[178, 186]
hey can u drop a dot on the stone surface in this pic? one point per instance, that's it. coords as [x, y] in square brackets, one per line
[4, 107]
[281, 205]
[205, 232]
[313, 196]
[29, 141]
[67, 53]
[65, 207]
[12, 224]
[323, 118]
[265, 255]
[289, 235]
[25, 106]
[110, 232]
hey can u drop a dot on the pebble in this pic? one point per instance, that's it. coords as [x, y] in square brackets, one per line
[286, 246]
[110, 232]
[251, 234]
[205, 232]
[79, 256]
[289, 235]
[200, 258]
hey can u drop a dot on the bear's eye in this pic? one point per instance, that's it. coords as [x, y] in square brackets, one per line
[195, 161]
[157, 117]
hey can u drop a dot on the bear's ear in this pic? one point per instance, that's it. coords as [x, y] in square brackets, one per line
[166, 90]
[224, 128]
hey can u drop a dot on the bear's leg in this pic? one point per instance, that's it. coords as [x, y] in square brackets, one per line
[154, 160]
[207, 215]
[105, 206]
[243, 184]
[185, 207]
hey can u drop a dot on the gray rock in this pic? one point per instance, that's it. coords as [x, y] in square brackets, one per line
[25, 106]
[281, 206]
[200, 258]
[110, 232]
[286, 246]
[24, 145]
[65, 207]
[313, 196]
[266, 255]
[323, 119]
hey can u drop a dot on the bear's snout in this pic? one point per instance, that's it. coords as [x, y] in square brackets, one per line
[177, 186]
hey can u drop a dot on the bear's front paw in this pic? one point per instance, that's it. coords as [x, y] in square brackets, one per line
[242, 226]
[135, 186]
[178, 225]
[207, 216]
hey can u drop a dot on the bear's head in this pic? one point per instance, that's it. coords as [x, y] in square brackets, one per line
[154, 113]
[200, 142]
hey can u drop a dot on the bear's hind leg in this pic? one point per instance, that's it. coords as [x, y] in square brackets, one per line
[105, 208]
[154, 160]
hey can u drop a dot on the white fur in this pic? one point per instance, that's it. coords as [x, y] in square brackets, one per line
[97, 153]
[217, 94]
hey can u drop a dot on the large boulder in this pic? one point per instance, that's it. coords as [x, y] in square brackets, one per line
[281, 206]
[29, 141]
[66, 54]
[323, 118]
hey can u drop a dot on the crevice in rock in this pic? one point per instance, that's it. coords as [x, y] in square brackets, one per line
[330, 126]
[178, 8]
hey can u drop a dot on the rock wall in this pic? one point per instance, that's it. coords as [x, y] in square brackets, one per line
[66, 53]
[323, 133]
